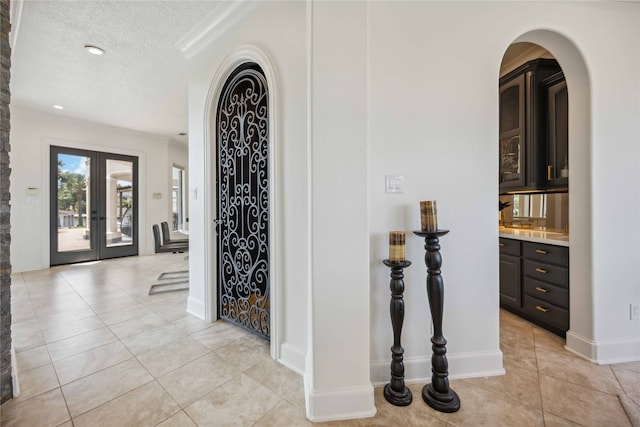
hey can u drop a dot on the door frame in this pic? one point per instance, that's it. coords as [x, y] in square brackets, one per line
[144, 236]
[242, 55]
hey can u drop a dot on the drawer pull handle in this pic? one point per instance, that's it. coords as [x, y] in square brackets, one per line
[542, 309]
[540, 251]
[549, 172]
[501, 244]
[541, 270]
[543, 290]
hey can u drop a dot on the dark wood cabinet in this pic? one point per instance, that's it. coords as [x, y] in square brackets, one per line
[512, 137]
[534, 283]
[523, 123]
[545, 275]
[510, 273]
[557, 131]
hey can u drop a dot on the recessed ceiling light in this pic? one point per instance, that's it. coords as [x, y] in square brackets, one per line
[58, 107]
[94, 49]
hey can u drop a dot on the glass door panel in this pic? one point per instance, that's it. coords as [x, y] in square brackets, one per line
[119, 198]
[72, 191]
[73, 222]
[118, 208]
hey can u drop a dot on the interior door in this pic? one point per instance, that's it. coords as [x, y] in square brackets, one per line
[94, 206]
[243, 200]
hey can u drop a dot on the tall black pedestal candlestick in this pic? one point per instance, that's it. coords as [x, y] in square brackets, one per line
[396, 392]
[438, 395]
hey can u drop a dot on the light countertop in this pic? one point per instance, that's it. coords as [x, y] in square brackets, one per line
[538, 236]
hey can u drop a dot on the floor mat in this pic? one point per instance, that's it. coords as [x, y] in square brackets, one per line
[161, 288]
[169, 275]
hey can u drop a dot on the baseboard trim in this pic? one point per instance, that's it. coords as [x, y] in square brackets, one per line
[466, 365]
[581, 346]
[344, 404]
[292, 358]
[604, 352]
[14, 375]
[195, 307]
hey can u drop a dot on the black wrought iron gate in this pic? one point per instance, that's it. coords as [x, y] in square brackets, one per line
[243, 200]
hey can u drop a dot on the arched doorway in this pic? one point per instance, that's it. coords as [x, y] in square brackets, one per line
[243, 202]
[581, 333]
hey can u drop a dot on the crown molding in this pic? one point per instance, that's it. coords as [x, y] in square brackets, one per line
[224, 16]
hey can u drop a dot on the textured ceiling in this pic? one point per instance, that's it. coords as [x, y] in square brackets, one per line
[139, 84]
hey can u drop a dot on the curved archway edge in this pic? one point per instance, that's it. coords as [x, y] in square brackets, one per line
[242, 55]
[581, 335]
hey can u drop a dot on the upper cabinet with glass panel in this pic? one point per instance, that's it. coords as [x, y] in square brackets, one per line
[524, 127]
[558, 131]
[512, 138]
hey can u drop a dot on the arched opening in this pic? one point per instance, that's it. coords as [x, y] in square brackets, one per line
[237, 60]
[242, 190]
[575, 168]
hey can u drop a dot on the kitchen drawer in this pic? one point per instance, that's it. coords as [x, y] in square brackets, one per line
[546, 292]
[553, 274]
[509, 247]
[552, 254]
[546, 312]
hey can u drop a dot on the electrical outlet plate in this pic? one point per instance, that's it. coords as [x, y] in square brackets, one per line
[634, 311]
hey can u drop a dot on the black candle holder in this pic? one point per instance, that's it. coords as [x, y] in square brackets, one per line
[396, 392]
[438, 395]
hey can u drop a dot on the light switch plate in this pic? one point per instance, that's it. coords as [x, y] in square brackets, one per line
[394, 183]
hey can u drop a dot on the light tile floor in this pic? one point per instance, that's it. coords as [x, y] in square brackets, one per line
[94, 349]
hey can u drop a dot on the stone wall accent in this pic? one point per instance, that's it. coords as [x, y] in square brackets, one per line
[6, 386]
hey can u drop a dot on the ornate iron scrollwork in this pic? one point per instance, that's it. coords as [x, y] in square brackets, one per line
[243, 200]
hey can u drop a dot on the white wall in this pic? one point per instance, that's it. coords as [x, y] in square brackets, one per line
[283, 48]
[339, 320]
[604, 106]
[32, 133]
[429, 111]
[433, 119]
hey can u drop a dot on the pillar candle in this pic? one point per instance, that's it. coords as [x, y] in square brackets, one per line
[396, 246]
[428, 215]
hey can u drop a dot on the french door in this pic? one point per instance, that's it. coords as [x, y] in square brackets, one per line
[94, 205]
[243, 200]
